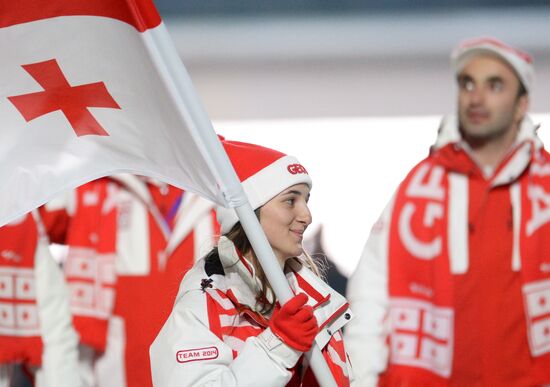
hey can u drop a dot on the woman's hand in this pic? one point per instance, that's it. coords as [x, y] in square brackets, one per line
[295, 324]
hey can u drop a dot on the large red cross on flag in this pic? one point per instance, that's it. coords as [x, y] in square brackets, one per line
[92, 88]
[73, 101]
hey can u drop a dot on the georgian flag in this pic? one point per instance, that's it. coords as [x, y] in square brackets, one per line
[92, 88]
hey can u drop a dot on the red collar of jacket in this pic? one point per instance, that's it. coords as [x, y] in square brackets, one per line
[454, 154]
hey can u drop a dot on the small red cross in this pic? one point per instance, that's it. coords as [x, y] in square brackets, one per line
[546, 331]
[58, 94]
[542, 301]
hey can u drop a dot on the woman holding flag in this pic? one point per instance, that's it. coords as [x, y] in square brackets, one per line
[226, 327]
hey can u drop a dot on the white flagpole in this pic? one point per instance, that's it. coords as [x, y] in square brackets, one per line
[279, 283]
[202, 130]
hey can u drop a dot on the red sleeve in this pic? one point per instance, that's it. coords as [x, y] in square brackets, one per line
[56, 222]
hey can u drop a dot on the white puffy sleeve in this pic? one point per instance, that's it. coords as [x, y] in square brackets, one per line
[367, 293]
[60, 353]
[187, 353]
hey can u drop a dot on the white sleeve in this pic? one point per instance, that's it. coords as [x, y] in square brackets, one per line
[367, 293]
[60, 353]
[263, 361]
[86, 362]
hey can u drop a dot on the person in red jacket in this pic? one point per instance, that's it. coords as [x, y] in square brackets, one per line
[226, 327]
[130, 241]
[453, 287]
[37, 339]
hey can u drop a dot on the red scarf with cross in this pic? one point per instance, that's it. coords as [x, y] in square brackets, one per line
[20, 339]
[428, 237]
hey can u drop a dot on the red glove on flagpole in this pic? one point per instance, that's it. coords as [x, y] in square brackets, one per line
[295, 324]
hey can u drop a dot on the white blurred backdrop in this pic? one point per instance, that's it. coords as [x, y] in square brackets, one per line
[354, 89]
[355, 163]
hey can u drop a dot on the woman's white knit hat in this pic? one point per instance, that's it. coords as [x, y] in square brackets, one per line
[264, 173]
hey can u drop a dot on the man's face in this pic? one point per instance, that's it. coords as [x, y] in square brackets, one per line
[488, 103]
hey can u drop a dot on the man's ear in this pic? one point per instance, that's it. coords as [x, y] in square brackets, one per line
[521, 107]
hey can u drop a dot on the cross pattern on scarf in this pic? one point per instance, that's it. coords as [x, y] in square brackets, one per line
[91, 278]
[18, 312]
[421, 335]
[537, 301]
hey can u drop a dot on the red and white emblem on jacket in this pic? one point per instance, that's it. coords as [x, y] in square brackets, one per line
[18, 312]
[422, 335]
[92, 279]
[537, 301]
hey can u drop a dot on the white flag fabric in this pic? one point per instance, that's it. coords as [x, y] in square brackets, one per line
[87, 90]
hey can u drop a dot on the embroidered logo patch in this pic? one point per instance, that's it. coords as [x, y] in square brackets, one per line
[196, 354]
[296, 168]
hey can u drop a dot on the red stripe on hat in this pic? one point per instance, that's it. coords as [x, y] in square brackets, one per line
[495, 42]
[141, 14]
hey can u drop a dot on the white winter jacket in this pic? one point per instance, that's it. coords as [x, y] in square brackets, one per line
[188, 353]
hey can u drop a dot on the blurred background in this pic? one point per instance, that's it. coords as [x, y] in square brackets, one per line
[253, 59]
[355, 89]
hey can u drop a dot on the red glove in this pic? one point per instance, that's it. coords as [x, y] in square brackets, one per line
[295, 323]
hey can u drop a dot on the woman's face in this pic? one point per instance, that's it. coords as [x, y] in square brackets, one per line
[284, 220]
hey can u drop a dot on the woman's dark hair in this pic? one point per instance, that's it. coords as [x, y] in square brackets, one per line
[241, 242]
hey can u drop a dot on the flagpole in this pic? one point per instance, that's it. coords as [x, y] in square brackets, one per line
[202, 130]
[280, 286]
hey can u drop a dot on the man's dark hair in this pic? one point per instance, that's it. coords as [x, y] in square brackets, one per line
[522, 90]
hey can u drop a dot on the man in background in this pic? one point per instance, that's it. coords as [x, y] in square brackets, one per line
[453, 287]
[38, 343]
